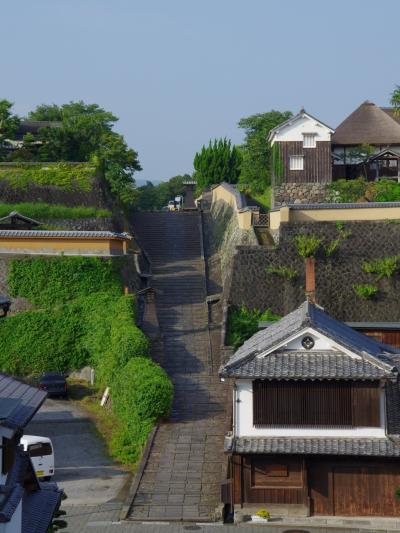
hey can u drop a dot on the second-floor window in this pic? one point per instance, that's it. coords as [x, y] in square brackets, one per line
[296, 162]
[309, 140]
[327, 404]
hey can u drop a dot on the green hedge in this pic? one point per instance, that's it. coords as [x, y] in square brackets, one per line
[110, 334]
[35, 341]
[63, 175]
[46, 281]
[77, 326]
[42, 211]
[141, 393]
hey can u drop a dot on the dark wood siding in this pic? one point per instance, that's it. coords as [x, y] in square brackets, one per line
[317, 162]
[254, 482]
[315, 404]
[391, 337]
[343, 486]
[354, 486]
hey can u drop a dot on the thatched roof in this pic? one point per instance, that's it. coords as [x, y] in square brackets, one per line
[368, 124]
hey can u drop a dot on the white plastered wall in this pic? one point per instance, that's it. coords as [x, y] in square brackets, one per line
[294, 131]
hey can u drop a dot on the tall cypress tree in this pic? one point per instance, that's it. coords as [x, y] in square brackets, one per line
[218, 162]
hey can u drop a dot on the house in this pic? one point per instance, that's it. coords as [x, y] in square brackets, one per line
[315, 420]
[378, 127]
[15, 220]
[301, 165]
[26, 505]
[302, 150]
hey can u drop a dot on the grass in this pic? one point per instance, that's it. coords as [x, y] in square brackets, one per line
[263, 198]
[43, 211]
[88, 398]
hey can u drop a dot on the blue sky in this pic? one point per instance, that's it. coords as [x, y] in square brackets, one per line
[179, 72]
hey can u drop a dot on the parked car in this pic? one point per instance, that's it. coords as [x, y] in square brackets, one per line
[41, 452]
[54, 383]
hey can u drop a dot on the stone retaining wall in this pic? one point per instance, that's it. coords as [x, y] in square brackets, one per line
[251, 285]
[299, 193]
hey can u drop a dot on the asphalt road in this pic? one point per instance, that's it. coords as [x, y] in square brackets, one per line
[82, 467]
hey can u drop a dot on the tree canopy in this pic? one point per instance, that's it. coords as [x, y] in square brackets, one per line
[154, 197]
[9, 122]
[256, 165]
[84, 133]
[395, 99]
[217, 162]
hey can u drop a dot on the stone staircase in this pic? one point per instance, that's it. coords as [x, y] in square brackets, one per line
[181, 480]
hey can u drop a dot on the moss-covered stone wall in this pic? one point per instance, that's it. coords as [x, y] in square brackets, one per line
[248, 282]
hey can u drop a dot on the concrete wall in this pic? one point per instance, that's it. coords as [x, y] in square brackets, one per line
[67, 246]
[250, 284]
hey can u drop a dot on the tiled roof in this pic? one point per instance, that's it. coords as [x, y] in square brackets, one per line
[383, 447]
[30, 400]
[11, 233]
[361, 205]
[309, 315]
[10, 497]
[18, 216]
[309, 365]
[38, 509]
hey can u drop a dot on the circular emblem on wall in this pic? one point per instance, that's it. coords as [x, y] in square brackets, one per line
[307, 342]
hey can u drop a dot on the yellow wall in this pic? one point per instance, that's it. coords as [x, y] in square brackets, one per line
[285, 214]
[244, 218]
[56, 246]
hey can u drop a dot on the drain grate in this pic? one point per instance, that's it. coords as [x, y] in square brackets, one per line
[295, 531]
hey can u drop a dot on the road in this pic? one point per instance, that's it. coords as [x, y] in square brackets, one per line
[82, 467]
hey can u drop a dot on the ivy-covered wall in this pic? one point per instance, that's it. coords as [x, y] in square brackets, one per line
[250, 284]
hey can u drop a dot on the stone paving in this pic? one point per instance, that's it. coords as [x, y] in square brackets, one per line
[104, 519]
[182, 477]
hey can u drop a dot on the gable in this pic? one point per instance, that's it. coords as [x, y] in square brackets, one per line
[294, 129]
[336, 351]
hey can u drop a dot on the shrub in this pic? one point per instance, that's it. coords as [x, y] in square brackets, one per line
[283, 272]
[263, 513]
[331, 247]
[307, 245]
[384, 190]
[141, 394]
[243, 323]
[365, 290]
[64, 175]
[111, 336]
[42, 211]
[46, 281]
[35, 341]
[383, 268]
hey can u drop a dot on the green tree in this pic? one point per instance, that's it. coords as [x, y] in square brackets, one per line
[9, 123]
[360, 155]
[395, 100]
[86, 134]
[219, 161]
[153, 197]
[257, 154]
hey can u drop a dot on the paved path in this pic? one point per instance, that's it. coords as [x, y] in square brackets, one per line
[82, 465]
[183, 474]
[104, 519]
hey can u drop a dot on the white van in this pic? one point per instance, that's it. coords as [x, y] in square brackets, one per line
[41, 452]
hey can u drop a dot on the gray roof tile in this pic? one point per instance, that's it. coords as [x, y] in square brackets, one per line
[11, 233]
[309, 315]
[310, 365]
[383, 447]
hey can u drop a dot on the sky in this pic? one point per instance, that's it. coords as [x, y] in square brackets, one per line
[181, 72]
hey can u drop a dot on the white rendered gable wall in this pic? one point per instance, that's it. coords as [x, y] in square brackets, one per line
[243, 398]
[294, 132]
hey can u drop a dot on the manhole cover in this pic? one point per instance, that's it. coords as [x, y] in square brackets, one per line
[191, 528]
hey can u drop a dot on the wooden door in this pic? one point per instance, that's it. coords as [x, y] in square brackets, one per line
[354, 488]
